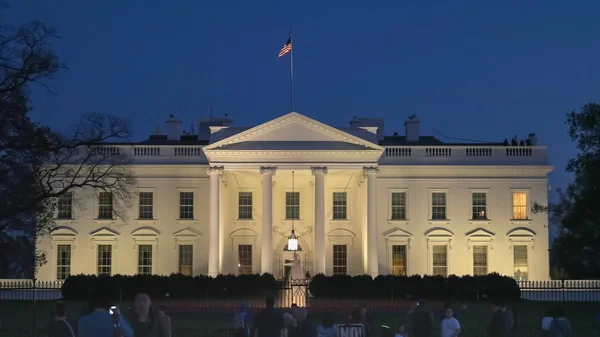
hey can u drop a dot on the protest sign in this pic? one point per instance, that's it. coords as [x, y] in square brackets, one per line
[351, 330]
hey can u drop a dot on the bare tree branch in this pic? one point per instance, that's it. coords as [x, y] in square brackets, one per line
[37, 164]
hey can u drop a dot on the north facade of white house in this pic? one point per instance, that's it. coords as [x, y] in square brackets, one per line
[225, 202]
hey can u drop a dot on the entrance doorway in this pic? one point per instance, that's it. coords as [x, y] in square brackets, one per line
[287, 269]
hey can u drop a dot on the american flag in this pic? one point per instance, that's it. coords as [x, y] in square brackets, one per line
[287, 47]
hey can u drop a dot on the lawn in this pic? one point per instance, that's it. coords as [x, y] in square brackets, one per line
[17, 316]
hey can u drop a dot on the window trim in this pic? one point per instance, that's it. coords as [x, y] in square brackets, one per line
[406, 192]
[137, 257]
[339, 236]
[195, 194]
[487, 204]
[72, 216]
[70, 259]
[178, 250]
[333, 258]
[146, 236]
[398, 237]
[527, 192]
[435, 237]
[237, 257]
[348, 205]
[105, 236]
[236, 217]
[154, 203]
[63, 235]
[472, 258]
[522, 236]
[301, 205]
[245, 236]
[97, 208]
[430, 250]
[186, 236]
[112, 255]
[430, 203]
[529, 253]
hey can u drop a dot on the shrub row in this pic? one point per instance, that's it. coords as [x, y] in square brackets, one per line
[491, 287]
[79, 287]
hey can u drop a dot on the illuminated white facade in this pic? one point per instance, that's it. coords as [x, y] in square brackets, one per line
[361, 203]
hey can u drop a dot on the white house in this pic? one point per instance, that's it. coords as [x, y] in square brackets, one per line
[225, 200]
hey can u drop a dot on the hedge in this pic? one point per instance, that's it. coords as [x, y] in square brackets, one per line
[79, 287]
[492, 287]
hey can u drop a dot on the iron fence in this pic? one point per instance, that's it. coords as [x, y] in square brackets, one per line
[561, 290]
[30, 290]
[297, 292]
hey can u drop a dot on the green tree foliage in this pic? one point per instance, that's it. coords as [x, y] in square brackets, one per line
[577, 249]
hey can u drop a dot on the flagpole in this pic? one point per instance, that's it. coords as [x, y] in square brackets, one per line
[291, 74]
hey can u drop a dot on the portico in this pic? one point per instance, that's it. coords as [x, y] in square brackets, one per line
[268, 154]
[315, 218]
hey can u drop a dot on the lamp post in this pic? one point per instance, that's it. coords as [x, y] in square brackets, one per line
[293, 239]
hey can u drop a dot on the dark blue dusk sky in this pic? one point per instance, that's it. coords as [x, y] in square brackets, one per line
[483, 70]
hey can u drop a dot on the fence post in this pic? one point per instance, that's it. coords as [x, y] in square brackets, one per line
[33, 325]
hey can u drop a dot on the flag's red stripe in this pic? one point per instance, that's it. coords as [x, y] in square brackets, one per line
[286, 49]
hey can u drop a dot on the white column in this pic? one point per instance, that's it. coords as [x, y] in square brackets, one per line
[266, 259]
[372, 256]
[214, 241]
[319, 255]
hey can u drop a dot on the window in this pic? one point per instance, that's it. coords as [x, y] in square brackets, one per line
[145, 259]
[146, 205]
[105, 205]
[63, 261]
[440, 260]
[340, 259]
[104, 260]
[65, 206]
[186, 260]
[292, 205]
[244, 259]
[438, 206]
[399, 260]
[186, 205]
[480, 260]
[340, 206]
[398, 206]
[519, 203]
[479, 203]
[521, 263]
[245, 206]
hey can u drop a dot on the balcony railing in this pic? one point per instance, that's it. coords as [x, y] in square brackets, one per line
[468, 155]
[407, 155]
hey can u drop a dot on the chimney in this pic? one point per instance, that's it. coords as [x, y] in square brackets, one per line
[173, 128]
[157, 131]
[411, 127]
[533, 139]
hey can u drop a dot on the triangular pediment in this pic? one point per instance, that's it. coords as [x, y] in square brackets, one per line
[397, 233]
[521, 232]
[293, 131]
[187, 233]
[104, 231]
[480, 233]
